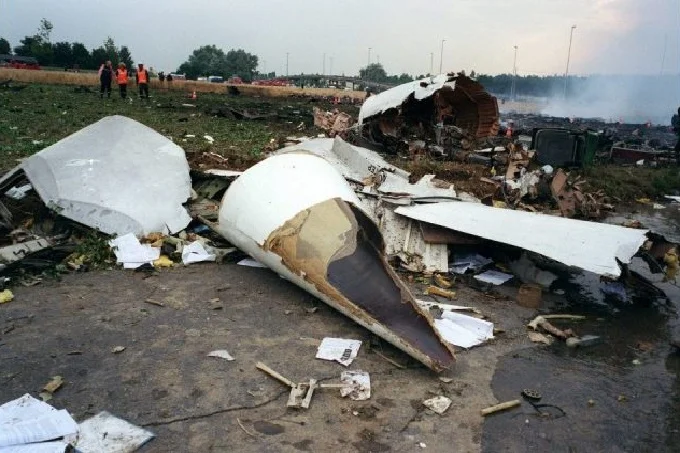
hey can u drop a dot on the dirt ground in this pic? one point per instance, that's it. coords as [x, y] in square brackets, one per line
[165, 382]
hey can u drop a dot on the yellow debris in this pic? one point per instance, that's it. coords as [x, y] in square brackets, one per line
[433, 290]
[6, 296]
[163, 261]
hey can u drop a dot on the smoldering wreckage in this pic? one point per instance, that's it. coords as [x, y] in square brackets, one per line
[334, 218]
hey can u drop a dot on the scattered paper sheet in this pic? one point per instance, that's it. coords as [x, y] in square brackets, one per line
[341, 350]
[221, 354]
[28, 420]
[438, 404]
[195, 253]
[463, 331]
[131, 253]
[670, 197]
[493, 277]
[105, 433]
[358, 385]
[250, 263]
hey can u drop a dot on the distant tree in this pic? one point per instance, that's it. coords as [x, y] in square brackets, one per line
[241, 63]
[125, 57]
[80, 55]
[374, 72]
[98, 56]
[63, 54]
[5, 46]
[45, 30]
[38, 45]
[111, 51]
[206, 60]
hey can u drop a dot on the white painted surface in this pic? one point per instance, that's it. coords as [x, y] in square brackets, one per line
[394, 97]
[588, 245]
[275, 190]
[115, 175]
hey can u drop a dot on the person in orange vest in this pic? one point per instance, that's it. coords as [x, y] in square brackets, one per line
[143, 81]
[122, 79]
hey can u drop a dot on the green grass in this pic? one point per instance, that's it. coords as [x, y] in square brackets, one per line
[630, 183]
[48, 113]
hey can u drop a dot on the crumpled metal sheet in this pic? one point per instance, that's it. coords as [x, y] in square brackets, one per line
[117, 176]
[296, 214]
[457, 99]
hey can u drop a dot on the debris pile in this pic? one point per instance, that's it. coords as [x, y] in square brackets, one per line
[331, 217]
[335, 123]
[441, 116]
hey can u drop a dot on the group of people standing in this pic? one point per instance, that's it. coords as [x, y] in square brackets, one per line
[122, 75]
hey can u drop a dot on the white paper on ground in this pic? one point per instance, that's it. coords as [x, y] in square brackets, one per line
[250, 263]
[105, 433]
[670, 197]
[438, 404]
[463, 331]
[493, 277]
[131, 253]
[195, 253]
[341, 350]
[358, 385]
[221, 354]
[27, 420]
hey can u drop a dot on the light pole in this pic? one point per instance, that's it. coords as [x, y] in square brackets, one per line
[369, 62]
[566, 71]
[331, 64]
[514, 75]
[431, 62]
[324, 64]
[441, 56]
[287, 64]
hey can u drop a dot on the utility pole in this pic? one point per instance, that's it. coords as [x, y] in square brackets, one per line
[663, 55]
[324, 64]
[331, 64]
[378, 58]
[441, 56]
[431, 63]
[514, 75]
[566, 72]
[287, 64]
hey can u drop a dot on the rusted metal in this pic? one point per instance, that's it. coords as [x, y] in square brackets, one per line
[447, 113]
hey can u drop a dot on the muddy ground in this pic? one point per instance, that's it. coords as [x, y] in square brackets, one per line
[164, 380]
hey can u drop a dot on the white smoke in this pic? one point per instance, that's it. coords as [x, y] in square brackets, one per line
[630, 98]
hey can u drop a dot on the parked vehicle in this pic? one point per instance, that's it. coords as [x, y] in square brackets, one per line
[17, 62]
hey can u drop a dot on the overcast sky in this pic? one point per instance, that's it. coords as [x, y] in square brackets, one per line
[612, 36]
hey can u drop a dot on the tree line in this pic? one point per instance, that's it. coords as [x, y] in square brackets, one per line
[71, 55]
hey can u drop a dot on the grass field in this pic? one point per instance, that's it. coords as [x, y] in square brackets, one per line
[187, 86]
[40, 115]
